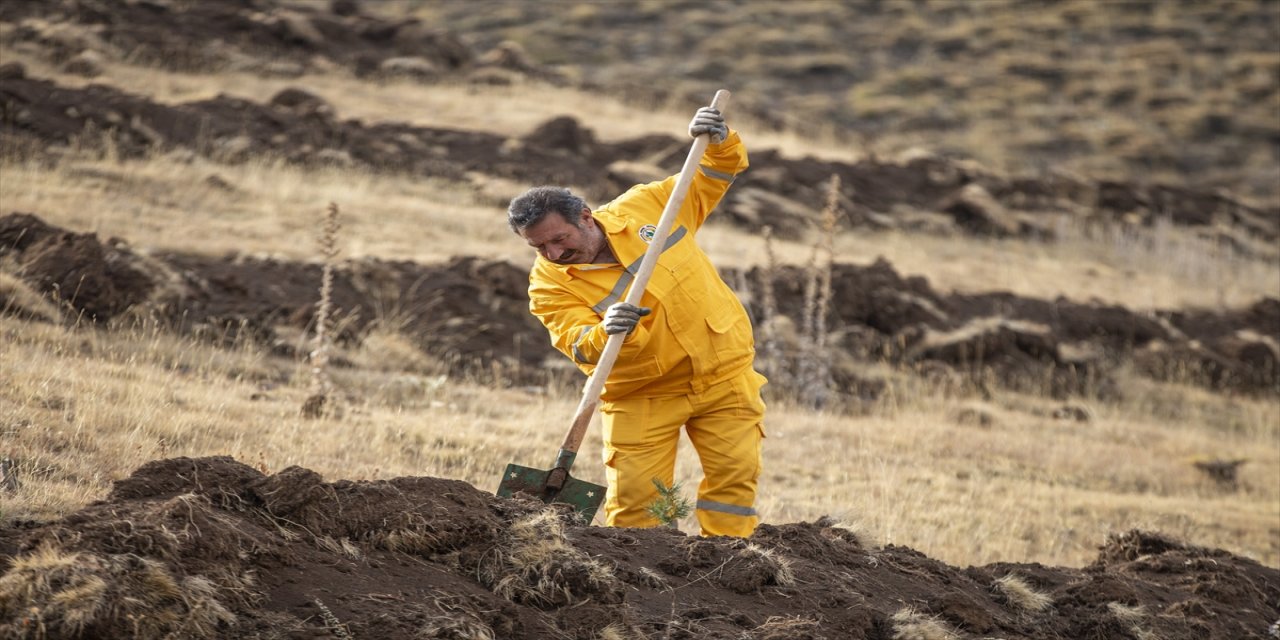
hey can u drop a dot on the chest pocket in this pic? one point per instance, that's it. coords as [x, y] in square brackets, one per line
[678, 250]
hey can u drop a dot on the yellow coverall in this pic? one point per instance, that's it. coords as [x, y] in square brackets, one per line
[688, 363]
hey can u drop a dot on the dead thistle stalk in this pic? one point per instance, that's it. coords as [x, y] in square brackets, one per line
[771, 356]
[815, 365]
[321, 385]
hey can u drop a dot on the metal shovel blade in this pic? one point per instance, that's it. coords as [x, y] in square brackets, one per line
[584, 497]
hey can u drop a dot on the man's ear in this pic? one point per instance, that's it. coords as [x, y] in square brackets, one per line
[586, 215]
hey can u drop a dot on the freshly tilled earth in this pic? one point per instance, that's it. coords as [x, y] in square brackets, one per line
[473, 314]
[212, 548]
[218, 549]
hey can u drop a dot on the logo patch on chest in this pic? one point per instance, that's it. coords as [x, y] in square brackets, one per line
[647, 232]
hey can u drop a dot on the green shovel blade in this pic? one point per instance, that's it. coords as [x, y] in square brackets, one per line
[584, 497]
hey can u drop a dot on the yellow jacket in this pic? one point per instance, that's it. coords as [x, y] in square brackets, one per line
[698, 333]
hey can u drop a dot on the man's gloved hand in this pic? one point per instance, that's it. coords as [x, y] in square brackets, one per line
[623, 317]
[708, 120]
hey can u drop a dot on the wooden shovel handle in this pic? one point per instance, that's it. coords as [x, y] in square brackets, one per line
[591, 395]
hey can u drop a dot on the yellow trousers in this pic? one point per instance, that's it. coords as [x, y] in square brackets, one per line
[725, 423]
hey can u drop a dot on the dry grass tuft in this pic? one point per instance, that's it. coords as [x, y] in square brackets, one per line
[17, 299]
[779, 571]
[1127, 614]
[653, 579]
[455, 628]
[340, 546]
[332, 624]
[458, 620]
[852, 533]
[619, 631]
[909, 624]
[54, 593]
[1020, 594]
[1132, 617]
[753, 567]
[408, 541]
[784, 628]
[536, 565]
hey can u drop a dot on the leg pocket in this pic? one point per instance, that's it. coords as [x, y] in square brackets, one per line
[748, 403]
[622, 423]
[759, 451]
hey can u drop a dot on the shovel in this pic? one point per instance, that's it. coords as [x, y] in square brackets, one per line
[556, 485]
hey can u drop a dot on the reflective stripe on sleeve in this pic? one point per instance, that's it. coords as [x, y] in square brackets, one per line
[710, 505]
[577, 354]
[718, 175]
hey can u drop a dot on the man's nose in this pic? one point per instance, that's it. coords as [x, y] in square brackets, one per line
[554, 253]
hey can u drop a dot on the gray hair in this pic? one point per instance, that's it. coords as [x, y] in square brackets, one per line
[533, 205]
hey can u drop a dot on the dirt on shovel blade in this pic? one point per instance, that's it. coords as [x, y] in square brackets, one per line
[584, 497]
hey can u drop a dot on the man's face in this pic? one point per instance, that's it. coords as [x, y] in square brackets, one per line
[557, 240]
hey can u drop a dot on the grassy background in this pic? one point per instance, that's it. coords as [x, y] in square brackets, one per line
[966, 479]
[1179, 90]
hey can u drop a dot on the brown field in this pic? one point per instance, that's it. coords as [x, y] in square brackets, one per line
[970, 468]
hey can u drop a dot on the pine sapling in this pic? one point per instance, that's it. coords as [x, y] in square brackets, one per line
[670, 505]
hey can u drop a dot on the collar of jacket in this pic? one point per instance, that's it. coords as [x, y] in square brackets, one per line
[612, 224]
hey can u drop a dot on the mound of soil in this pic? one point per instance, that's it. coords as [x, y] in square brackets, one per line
[212, 548]
[261, 36]
[96, 279]
[1059, 347]
[922, 193]
[473, 314]
[1200, 110]
[899, 73]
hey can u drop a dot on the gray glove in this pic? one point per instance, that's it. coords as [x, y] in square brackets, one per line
[708, 120]
[623, 317]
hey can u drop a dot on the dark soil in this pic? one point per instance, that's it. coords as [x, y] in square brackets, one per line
[473, 314]
[423, 558]
[255, 35]
[929, 194]
[1200, 110]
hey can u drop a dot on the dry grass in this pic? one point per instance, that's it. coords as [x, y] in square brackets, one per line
[785, 627]
[774, 569]
[172, 205]
[1021, 595]
[537, 565]
[909, 624]
[53, 593]
[455, 628]
[508, 110]
[80, 408]
[1115, 89]
[262, 206]
[1132, 618]
[17, 299]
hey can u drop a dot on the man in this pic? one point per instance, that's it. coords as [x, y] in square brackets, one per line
[687, 358]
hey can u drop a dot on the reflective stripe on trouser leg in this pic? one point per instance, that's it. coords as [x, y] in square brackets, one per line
[640, 438]
[727, 432]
